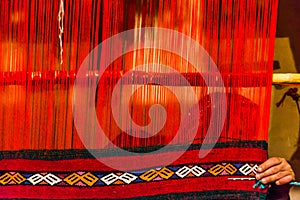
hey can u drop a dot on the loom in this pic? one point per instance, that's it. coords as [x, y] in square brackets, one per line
[43, 45]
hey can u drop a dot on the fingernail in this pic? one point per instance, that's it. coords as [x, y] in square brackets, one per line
[264, 181]
[259, 169]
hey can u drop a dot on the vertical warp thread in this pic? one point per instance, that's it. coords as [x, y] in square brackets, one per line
[35, 109]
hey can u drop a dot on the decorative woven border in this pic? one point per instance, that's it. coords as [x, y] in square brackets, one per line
[87, 178]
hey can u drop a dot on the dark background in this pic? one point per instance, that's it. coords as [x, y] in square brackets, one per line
[289, 25]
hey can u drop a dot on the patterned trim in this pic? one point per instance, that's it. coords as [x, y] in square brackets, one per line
[83, 153]
[244, 171]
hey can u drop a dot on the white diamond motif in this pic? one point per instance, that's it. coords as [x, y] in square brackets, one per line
[127, 177]
[184, 171]
[51, 179]
[247, 169]
[111, 178]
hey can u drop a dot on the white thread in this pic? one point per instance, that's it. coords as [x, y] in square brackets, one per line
[61, 14]
[241, 179]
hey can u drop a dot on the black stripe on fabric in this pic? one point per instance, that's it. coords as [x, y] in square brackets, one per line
[84, 153]
[208, 195]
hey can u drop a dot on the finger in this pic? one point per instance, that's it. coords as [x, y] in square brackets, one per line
[280, 178]
[269, 171]
[269, 163]
[284, 180]
[274, 177]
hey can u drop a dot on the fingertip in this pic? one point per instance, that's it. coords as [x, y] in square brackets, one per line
[257, 176]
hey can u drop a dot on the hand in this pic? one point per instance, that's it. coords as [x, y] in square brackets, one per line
[276, 170]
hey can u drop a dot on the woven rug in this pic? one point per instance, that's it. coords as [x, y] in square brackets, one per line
[69, 67]
[226, 173]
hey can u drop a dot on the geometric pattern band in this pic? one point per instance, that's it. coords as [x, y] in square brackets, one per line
[98, 178]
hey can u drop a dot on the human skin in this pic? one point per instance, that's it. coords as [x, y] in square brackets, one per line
[275, 170]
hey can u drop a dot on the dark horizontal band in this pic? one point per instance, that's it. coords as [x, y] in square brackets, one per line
[84, 153]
